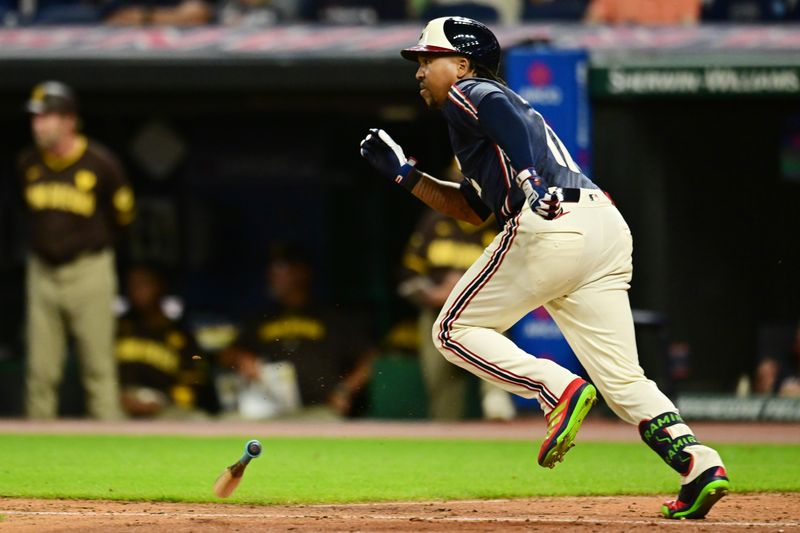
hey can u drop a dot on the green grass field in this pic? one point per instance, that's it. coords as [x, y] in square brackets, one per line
[326, 470]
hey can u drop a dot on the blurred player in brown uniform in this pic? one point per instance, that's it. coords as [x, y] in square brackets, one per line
[77, 201]
[438, 253]
[322, 352]
[161, 371]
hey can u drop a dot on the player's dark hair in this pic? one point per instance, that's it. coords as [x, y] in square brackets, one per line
[484, 72]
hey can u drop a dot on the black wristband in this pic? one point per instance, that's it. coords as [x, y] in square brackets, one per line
[411, 179]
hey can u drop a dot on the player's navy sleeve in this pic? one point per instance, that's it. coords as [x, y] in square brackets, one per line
[502, 122]
[473, 92]
[463, 100]
[474, 201]
[461, 112]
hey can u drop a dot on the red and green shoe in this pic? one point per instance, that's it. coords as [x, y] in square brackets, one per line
[698, 497]
[565, 420]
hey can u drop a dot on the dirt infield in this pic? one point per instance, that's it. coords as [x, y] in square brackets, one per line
[745, 512]
[737, 512]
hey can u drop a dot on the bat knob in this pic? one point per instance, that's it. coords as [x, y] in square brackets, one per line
[253, 449]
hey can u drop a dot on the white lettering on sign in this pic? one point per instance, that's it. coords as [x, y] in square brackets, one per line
[712, 80]
[548, 95]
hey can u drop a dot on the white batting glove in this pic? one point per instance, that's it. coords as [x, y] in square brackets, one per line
[544, 202]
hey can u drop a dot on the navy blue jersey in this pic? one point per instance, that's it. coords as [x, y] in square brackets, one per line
[495, 134]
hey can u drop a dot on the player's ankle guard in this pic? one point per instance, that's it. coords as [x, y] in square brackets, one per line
[668, 435]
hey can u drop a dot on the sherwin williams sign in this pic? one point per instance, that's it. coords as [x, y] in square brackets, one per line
[555, 83]
[634, 81]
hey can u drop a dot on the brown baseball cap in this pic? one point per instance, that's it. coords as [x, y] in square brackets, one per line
[52, 97]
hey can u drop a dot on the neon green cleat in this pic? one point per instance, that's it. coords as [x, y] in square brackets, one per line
[565, 420]
[698, 497]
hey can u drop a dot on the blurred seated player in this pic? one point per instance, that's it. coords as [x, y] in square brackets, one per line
[299, 359]
[569, 10]
[8, 12]
[256, 13]
[750, 11]
[60, 12]
[487, 11]
[352, 11]
[157, 13]
[778, 368]
[161, 372]
[644, 12]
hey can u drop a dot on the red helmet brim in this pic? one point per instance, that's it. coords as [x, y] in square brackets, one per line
[412, 53]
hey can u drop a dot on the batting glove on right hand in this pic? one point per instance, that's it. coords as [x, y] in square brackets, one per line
[545, 203]
[388, 158]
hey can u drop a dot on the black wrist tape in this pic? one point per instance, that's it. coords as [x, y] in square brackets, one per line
[411, 179]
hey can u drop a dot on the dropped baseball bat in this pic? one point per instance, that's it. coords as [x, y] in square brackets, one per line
[229, 479]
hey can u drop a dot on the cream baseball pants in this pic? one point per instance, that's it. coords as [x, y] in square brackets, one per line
[579, 267]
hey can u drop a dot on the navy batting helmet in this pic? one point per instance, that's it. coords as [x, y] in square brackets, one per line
[458, 35]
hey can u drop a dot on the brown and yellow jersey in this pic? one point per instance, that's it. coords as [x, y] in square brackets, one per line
[324, 345]
[162, 355]
[440, 244]
[76, 203]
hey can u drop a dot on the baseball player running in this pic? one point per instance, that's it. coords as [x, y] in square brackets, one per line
[563, 245]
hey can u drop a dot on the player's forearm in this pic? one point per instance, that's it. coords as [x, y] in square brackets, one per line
[446, 198]
[360, 374]
[341, 397]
